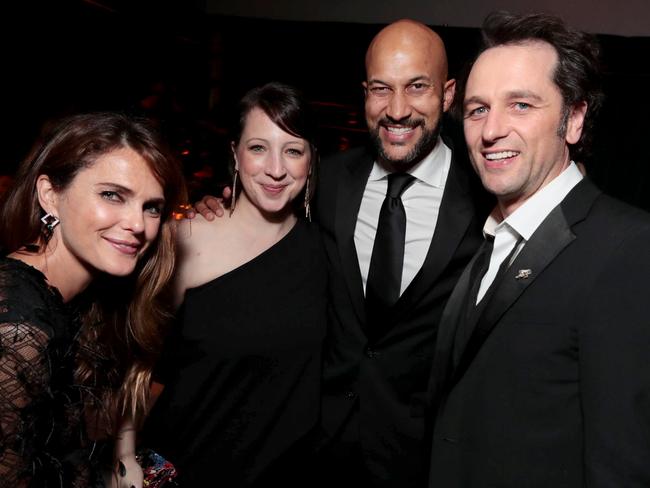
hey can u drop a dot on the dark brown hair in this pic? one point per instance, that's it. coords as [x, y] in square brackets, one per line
[123, 317]
[289, 110]
[577, 73]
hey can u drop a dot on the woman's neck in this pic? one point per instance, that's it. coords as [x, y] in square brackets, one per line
[249, 217]
[64, 273]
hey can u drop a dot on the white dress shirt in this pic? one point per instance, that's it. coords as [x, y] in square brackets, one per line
[421, 203]
[520, 225]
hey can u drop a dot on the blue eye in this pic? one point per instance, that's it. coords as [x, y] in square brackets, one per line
[476, 112]
[256, 148]
[522, 105]
[155, 210]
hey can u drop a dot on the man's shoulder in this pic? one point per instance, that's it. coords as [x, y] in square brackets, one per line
[621, 214]
[343, 157]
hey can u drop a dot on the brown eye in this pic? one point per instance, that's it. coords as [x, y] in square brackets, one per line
[111, 196]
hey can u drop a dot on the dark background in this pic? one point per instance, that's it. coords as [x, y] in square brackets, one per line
[174, 62]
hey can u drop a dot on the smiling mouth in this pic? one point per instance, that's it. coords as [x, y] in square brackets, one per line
[125, 247]
[500, 156]
[398, 130]
[275, 189]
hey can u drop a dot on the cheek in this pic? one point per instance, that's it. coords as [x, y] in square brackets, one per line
[250, 166]
[373, 109]
[299, 169]
[152, 227]
[472, 131]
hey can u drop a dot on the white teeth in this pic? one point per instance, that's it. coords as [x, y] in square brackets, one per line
[501, 155]
[399, 130]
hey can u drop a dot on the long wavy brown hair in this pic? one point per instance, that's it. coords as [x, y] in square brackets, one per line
[123, 319]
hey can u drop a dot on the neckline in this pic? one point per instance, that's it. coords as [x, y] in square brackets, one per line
[289, 235]
[36, 273]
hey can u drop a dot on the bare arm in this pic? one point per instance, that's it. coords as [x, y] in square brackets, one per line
[127, 472]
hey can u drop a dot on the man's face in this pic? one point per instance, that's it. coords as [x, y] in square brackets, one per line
[405, 99]
[512, 115]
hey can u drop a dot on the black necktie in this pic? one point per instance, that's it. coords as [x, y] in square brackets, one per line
[479, 269]
[387, 260]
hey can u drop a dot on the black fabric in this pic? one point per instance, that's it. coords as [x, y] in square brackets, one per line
[376, 374]
[557, 394]
[43, 441]
[242, 370]
[386, 262]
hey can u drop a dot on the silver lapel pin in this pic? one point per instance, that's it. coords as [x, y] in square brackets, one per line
[523, 274]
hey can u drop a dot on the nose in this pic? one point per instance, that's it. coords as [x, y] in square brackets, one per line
[133, 219]
[495, 126]
[275, 167]
[398, 107]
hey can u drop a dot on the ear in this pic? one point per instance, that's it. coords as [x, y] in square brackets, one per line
[449, 90]
[575, 123]
[233, 148]
[365, 88]
[47, 196]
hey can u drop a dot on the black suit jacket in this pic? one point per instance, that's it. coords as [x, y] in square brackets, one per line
[376, 375]
[556, 390]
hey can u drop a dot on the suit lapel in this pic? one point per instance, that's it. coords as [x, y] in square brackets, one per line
[547, 242]
[348, 200]
[454, 217]
[449, 323]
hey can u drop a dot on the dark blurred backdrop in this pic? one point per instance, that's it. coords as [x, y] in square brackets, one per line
[174, 62]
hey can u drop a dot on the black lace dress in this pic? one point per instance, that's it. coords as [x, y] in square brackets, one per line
[43, 441]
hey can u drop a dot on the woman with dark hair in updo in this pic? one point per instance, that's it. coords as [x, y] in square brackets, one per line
[242, 371]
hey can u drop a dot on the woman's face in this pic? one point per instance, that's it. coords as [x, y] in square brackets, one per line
[110, 213]
[273, 165]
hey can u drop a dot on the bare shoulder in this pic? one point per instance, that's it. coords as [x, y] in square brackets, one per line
[195, 233]
[198, 260]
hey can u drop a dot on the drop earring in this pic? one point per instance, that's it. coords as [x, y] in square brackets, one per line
[233, 198]
[49, 222]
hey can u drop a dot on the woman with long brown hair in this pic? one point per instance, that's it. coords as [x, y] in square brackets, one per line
[88, 246]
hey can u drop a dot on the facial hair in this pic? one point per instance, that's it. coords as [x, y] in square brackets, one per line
[420, 150]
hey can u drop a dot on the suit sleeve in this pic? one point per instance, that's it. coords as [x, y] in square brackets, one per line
[614, 352]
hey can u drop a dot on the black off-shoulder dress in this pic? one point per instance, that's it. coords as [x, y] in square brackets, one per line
[242, 371]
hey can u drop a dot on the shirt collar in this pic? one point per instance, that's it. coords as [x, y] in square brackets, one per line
[431, 170]
[525, 220]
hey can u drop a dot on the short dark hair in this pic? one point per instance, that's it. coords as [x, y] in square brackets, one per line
[578, 71]
[288, 109]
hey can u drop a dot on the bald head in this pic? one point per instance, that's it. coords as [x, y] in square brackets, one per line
[407, 38]
[406, 92]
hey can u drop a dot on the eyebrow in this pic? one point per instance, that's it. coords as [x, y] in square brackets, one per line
[128, 192]
[523, 94]
[526, 94]
[251, 139]
[408, 82]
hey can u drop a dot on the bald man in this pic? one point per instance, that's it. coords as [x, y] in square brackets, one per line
[377, 363]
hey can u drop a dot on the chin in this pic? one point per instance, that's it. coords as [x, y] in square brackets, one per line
[120, 269]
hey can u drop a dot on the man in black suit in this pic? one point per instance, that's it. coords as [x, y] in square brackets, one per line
[542, 365]
[378, 358]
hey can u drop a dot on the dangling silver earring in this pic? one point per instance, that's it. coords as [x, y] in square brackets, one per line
[307, 197]
[50, 222]
[233, 199]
